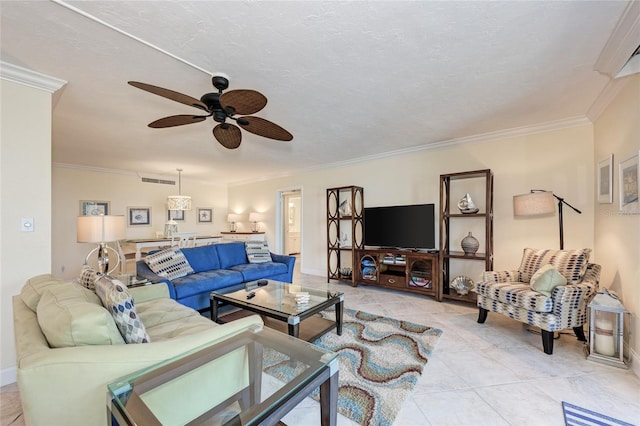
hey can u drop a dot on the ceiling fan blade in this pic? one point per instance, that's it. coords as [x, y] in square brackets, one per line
[177, 120]
[228, 135]
[265, 128]
[170, 94]
[243, 102]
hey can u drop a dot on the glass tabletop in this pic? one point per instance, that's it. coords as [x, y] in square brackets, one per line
[285, 298]
[192, 388]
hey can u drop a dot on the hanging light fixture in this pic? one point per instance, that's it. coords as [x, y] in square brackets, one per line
[179, 202]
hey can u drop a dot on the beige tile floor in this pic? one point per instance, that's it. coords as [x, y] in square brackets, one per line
[479, 374]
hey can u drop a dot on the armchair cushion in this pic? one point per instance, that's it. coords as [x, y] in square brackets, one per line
[515, 294]
[572, 264]
[546, 279]
[35, 287]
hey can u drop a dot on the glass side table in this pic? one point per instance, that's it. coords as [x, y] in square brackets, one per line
[180, 390]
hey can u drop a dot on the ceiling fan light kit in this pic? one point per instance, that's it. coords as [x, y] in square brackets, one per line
[221, 107]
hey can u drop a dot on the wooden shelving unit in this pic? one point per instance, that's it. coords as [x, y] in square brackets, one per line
[340, 254]
[449, 213]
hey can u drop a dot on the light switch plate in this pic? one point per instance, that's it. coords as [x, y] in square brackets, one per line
[27, 224]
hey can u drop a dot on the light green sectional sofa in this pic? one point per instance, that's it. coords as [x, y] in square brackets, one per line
[69, 348]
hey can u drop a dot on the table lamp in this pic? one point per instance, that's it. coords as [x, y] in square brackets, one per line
[232, 218]
[101, 229]
[254, 218]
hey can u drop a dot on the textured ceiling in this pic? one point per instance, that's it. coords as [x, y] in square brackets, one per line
[348, 80]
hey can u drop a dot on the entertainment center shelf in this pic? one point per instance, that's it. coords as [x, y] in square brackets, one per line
[404, 270]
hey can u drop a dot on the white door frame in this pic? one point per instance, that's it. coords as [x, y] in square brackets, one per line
[280, 218]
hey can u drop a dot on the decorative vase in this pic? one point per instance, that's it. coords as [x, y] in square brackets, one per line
[470, 244]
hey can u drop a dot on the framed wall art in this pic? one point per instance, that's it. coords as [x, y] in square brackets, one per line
[205, 215]
[628, 181]
[605, 180]
[94, 208]
[175, 215]
[139, 216]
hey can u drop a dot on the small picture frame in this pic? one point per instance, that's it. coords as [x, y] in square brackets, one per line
[175, 215]
[605, 180]
[629, 176]
[94, 208]
[139, 216]
[205, 215]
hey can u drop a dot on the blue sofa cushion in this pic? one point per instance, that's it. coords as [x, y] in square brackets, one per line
[231, 254]
[256, 271]
[207, 281]
[204, 258]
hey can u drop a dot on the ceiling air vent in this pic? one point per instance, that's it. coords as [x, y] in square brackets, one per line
[160, 181]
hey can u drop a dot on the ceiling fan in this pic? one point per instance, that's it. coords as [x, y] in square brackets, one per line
[222, 107]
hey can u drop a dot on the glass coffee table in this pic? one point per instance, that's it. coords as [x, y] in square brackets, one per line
[190, 389]
[276, 303]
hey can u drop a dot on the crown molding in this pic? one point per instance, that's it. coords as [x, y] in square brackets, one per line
[27, 77]
[610, 91]
[622, 42]
[484, 137]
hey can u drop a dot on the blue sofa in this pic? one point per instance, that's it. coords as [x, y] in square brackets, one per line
[221, 267]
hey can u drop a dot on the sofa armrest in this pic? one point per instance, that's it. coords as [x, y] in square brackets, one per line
[142, 270]
[150, 292]
[501, 276]
[290, 261]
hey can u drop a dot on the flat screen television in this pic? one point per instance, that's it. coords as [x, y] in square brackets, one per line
[408, 227]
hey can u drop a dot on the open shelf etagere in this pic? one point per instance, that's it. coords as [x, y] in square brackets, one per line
[447, 216]
[339, 254]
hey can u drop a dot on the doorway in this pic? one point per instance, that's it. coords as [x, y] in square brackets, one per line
[291, 223]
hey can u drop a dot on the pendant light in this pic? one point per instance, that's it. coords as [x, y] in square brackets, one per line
[179, 202]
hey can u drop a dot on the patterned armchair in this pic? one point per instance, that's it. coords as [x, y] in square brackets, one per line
[509, 293]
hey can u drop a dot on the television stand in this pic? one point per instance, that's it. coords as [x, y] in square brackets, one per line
[398, 269]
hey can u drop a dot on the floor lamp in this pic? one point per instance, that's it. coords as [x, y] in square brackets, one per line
[101, 229]
[540, 202]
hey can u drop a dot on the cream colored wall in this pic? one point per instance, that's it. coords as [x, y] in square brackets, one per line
[25, 191]
[559, 160]
[617, 236]
[70, 185]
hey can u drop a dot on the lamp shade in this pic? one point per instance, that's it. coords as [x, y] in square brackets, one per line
[256, 217]
[178, 202]
[97, 229]
[534, 204]
[232, 218]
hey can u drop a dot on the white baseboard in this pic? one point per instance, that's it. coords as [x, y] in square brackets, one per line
[317, 272]
[8, 376]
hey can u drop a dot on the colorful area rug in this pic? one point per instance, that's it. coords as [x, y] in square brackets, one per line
[380, 361]
[578, 416]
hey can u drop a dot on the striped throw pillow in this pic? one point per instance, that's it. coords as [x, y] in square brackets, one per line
[257, 251]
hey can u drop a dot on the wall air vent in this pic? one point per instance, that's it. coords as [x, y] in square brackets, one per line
[160, 181]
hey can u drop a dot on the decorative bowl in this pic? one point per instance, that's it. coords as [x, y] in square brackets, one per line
[345, 272]
[462, 284]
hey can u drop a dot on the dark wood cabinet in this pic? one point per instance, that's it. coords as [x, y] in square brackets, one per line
[345, 231]
[403, 270]
[453, 186]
